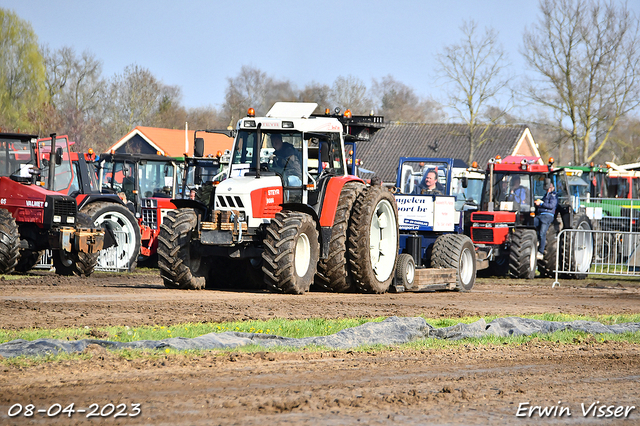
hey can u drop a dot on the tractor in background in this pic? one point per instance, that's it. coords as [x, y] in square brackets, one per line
[78, 179]
[34, 217]
[431, 226]
[503, 230]
[146, 183]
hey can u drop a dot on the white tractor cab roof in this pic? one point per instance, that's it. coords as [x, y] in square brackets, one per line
[292, 115]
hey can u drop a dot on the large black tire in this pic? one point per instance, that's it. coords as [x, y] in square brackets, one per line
[9, 242]
[333, 272]
[547, 265]
[373, 240]
[76, 263]
[458, 252]
[120, 220]
[405, 271]
[522, 254]
[291, 252]
[28, 259]
[180, 266]
[581, 246]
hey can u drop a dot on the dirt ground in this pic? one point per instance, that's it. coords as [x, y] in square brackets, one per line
[464, 385]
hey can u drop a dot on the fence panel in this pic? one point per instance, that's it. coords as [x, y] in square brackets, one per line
[613, 214]
[597, 252]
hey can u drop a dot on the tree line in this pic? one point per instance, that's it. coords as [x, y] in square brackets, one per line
[579, 95]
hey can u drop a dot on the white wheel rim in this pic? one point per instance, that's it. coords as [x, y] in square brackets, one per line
[582, 249]
[533, 260]
[302, 255]
[410, 272]
[466, 266]
[383, 240]
[118, 256]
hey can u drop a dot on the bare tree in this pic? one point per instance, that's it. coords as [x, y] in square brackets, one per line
[135, 98]
[587, 57]
[399, 102]
[75, 88]
[474, 72]
[318, 93]
[351, 93]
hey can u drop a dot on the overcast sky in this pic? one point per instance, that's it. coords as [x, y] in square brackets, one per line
[198, 44]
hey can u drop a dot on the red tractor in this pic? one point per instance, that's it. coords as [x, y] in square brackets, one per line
[503, 229]
[288, 214]
[33, 218]
[146, 183]
[78, 178]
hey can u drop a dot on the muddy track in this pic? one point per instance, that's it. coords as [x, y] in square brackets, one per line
[464, 385]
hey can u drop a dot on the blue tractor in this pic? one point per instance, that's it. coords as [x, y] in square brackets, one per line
[431, 220]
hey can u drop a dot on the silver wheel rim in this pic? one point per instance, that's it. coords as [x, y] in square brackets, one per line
[583, 248]
[533, 260]
[383, 240]
[302, 255]
[466, 266]
[410, 272]
[119, 256]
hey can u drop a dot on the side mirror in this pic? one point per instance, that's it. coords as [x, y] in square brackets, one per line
[198, 147]
[58, 156]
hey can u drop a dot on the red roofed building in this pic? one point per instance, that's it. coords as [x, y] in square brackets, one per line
[170, 142]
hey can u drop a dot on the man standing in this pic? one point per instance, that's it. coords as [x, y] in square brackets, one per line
[544, 217]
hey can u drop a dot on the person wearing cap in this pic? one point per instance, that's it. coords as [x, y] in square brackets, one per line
[518, 193]
[545, 214]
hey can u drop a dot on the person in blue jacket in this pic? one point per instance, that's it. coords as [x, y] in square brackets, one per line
[545, 214]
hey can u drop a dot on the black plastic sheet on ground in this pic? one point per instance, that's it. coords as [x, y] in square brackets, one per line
[393, 330]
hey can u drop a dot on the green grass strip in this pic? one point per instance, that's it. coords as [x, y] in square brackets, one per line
[280, 327]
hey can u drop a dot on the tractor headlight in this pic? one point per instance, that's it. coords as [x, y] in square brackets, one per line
[57, 218]
[71, 219]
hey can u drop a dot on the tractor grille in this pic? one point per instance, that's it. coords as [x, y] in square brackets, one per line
[483, 217]
[229, 201]
[480, 235]
[64, 207]
[150, 218]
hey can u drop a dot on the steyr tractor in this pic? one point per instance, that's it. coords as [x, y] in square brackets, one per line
[79, 180]
[288, 213]
[33, 218]
[431, 226]
[503, 230]
[146, 183]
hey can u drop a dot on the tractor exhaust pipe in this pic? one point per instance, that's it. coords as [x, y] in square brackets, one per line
[52, 163]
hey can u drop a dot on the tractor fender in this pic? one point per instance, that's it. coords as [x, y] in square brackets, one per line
[331, 197]
[84, 199]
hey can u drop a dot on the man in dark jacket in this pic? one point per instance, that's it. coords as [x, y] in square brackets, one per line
[546, 212]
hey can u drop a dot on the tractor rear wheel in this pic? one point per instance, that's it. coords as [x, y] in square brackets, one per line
[456, 251]
[333, 273]
[76, 263]
[373, 240]
[9, 242]
[180, 266]
[291, 252]
[121, 221]
[522, 254]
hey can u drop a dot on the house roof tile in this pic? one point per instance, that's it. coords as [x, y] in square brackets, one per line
[396, 140]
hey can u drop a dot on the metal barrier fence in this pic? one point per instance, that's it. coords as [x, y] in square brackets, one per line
[112, 259]
[583, 252]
